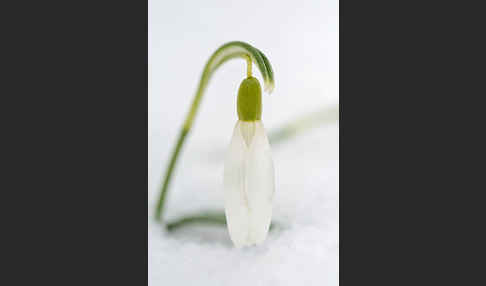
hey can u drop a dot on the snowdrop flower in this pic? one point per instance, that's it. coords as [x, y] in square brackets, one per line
[248, 171]
[248, 174]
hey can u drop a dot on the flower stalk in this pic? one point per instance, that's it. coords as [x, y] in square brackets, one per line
[226, 52]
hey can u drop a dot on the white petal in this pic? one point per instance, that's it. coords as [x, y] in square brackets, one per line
[248, 184]
[260, 184]
[235, 200]
[247, 130]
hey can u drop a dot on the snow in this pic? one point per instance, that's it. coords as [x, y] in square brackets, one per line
[303, 249]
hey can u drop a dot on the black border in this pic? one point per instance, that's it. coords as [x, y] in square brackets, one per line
[79, 144]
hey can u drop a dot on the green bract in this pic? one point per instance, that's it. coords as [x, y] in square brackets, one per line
[249, 104]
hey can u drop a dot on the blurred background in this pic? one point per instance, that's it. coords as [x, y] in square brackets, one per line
[300, 40]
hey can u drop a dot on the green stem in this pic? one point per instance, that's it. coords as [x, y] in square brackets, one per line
[208, 217]
[226, 52]
[248, 67]
[303, 123]
[215, 218]
[168, 173]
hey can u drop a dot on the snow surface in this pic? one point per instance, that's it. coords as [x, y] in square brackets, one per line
[303, 249]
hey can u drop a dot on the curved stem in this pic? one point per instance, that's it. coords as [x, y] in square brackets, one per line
[207, 217]
[224, 53]
[215, 218]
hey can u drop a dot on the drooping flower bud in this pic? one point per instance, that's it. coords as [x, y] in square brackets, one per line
[248, 172]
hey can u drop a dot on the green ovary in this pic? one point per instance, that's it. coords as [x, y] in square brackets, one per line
[249, 103]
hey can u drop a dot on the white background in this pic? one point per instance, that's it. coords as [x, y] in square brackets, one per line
[300, 38]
